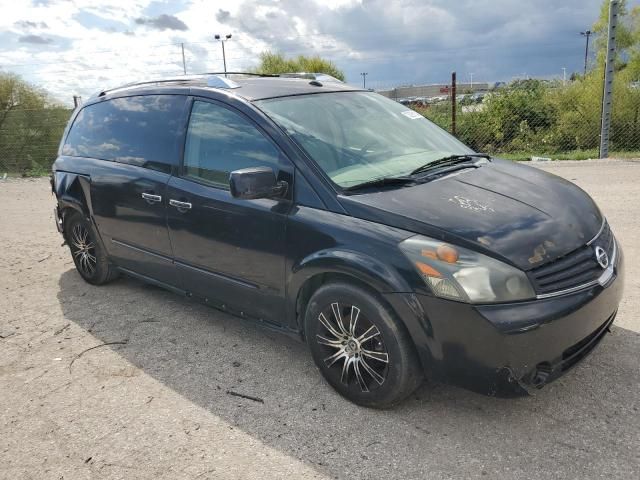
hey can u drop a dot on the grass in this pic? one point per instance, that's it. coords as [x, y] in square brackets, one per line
[571, 155]
[33, 172]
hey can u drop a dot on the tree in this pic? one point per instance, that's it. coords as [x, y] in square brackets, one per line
[634, 51]
[30, 126]
[627, 36]
[16, 94]
[625, 128]
[277, 63]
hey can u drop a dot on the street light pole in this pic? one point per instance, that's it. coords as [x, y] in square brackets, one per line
[364, 81]
[184, 63]
[586, 34]
[224, 58]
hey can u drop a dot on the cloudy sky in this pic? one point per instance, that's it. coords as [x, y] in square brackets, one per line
[75, 47]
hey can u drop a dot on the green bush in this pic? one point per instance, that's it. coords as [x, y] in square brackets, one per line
[546, 118]
[277, 63]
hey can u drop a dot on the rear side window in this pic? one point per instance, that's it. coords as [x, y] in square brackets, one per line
[220, 141]
[139, 130]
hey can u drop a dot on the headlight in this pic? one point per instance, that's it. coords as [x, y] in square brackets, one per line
[464, 275]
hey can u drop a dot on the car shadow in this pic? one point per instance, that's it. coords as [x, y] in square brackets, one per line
[440, 431]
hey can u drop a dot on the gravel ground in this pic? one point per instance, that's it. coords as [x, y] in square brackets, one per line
[129, 381]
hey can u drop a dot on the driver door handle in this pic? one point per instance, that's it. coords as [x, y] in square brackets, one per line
[182, 206]
[151, 198]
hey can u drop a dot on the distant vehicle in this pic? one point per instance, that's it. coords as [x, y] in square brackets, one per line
[345, 219]
[437, 99]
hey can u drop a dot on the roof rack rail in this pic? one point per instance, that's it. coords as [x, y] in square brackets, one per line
[251, 74]
[186, 78]
[311, 76]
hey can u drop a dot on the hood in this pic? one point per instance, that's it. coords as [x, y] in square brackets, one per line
[522, 214]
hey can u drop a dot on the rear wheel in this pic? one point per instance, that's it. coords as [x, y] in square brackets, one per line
[87, 252]
[359, 347]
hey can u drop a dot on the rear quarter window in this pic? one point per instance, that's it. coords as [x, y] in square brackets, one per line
[141, 130]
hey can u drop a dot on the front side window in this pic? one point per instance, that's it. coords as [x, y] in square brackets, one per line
[357, 137]
[220, 141]
[142, 131]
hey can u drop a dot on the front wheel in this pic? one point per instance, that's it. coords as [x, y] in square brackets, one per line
[359, 346]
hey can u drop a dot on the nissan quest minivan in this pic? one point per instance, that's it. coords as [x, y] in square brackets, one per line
[342, 217]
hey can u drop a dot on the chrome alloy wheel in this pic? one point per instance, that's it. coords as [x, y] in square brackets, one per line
[357, 353]
[83, 249]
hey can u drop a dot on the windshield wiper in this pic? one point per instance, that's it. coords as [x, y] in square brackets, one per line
[381, 182]
[450, 160]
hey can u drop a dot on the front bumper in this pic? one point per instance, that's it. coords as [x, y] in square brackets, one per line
[509, 349]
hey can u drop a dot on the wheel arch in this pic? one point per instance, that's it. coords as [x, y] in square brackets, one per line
[72, 190]
[372, 275]
[339, 265]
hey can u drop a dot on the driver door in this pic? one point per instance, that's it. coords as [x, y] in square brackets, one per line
[228, 251]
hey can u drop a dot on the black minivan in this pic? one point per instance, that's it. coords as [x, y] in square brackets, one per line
[346, 219]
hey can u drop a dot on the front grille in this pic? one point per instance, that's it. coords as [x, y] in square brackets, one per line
[574, 269]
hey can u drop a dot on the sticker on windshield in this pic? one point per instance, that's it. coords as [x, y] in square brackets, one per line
[411, 114]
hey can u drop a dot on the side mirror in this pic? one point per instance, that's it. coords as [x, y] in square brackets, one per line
[256, 182]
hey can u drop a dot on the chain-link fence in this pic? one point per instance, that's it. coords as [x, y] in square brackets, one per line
[520, 120]
[532, 118]
[29, 139]
[625, 119]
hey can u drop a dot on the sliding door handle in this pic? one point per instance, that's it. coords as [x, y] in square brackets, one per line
[181, 206]
[151, 198]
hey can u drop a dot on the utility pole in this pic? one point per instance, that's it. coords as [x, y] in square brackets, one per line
[453, 103]
[564, 76]
[364, 80]
[586, 34]
[609, 70]
[471, 76]
[224, 58]
[184, 64]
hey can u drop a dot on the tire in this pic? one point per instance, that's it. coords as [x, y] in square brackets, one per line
[346, 356]
[87, 251]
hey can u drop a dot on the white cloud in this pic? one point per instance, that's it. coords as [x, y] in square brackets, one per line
[81, 46]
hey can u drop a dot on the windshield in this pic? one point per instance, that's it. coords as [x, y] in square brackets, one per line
[358, 137]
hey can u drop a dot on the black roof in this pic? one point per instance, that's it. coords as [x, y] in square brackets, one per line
[250, 87]
[259, 88]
